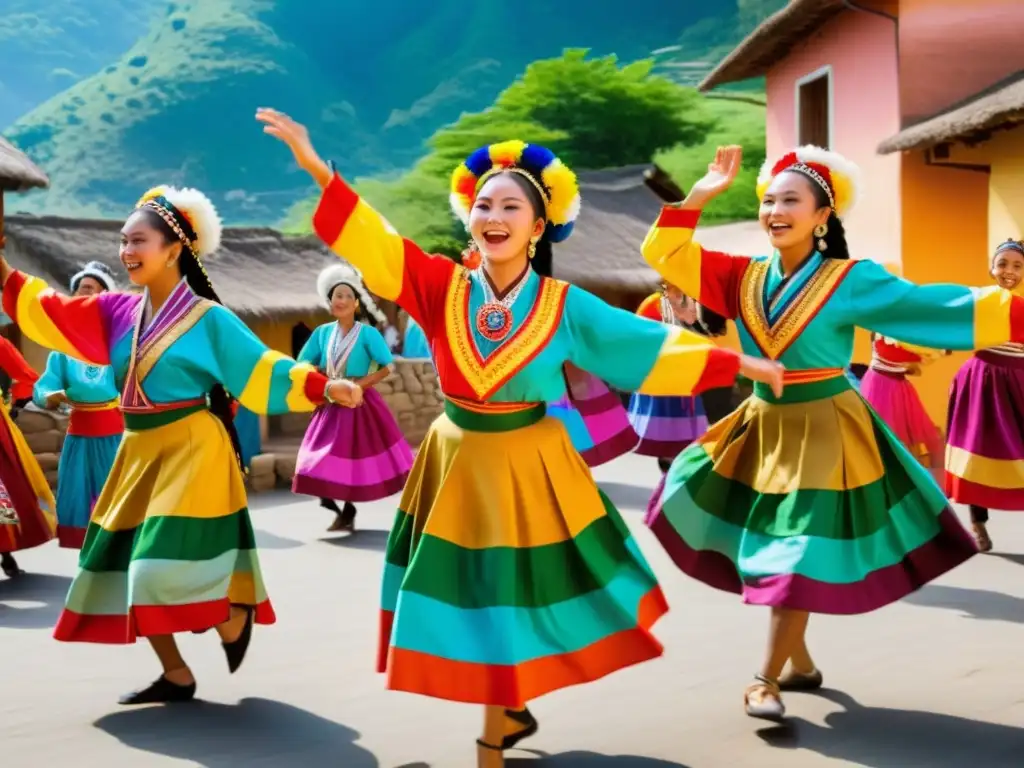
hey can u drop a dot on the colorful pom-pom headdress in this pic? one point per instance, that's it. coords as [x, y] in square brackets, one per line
[340, 273]
[837, 176]
[556, 183]
[191, 216]
[98, 271]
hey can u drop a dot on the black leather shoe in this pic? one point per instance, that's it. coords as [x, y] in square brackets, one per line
[235, 651]
[162, 691]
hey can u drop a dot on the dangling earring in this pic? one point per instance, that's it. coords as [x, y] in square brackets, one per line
[531, 249]
[819, 232]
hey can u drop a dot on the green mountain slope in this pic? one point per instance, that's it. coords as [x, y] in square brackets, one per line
[372, 80]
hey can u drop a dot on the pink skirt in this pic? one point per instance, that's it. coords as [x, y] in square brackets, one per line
[897, 403]
[353, 454]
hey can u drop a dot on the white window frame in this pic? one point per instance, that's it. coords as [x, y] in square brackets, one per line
[825, 71]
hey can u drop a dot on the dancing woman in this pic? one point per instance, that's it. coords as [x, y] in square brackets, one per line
[350, 454]
[887, 389]
[560, 594]
[26, 501]
[985, 419]
[95, 426]
[170, 546]
[807, 502]
[666, 425]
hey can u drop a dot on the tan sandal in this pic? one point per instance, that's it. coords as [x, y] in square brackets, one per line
[763, 699]
[801, 681]
[981, 537]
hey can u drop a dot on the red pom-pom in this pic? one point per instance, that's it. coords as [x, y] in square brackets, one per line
[471, 258]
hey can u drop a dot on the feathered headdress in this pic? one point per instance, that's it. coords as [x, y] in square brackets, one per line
[837, 176]
[98, 271]
[190, 214]
[557, 184]
[340, 273]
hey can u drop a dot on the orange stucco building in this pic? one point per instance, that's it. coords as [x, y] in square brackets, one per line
[926, 96]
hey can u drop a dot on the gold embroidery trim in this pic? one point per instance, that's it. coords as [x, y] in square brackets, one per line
[774, 340]
[156, 349]
[486, 376]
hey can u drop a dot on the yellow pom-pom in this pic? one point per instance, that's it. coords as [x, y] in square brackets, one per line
[151, 194]
[565, 200]
[506, 152]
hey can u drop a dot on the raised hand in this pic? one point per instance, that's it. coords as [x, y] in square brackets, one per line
[296, 137]
[766, 371]
[720, 176]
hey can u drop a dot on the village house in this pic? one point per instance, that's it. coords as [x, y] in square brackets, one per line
[927, 97]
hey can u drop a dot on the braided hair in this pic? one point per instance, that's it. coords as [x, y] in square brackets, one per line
[192, 269]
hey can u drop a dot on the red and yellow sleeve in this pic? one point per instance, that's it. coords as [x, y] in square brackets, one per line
[687, 365]
[14, 365]
[393, 267]
[74, 326]
[708, 277]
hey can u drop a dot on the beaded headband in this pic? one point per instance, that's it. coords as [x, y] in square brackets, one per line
[1010, 245]
[545, 196]
[817, 178]
[169, 214]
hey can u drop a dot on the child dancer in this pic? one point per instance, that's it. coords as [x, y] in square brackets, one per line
[985, 422]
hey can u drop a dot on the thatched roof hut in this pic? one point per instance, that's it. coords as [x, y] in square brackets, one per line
[619, 206]
[772, 41]
[259, 273]
[998, 107]
[17, 172]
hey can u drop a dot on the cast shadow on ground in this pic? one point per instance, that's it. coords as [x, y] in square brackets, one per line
[876, 737]
[267, 540]
[1016, 558]
[971, 603]
[372, 539]
[587, 760]
[256, 733]
[626, 496]
[45, 591]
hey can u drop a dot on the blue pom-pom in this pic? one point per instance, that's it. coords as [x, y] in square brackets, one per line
[536, 158]
[556, 233]
[479, 162]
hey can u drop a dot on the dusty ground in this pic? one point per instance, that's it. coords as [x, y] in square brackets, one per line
[933, 682]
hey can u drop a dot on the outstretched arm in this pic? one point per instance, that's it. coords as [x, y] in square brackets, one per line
[266, 381]
[940, 315]
[49, 390]
[393, 267]
[708, 277]
[635, 354]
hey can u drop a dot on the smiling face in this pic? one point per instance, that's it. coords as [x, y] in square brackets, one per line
[791, 209]
[145, 250]
[89, 286]
[503, 219]
[1008, 268]
[343, 302]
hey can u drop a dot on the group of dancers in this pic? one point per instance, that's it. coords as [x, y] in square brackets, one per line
[802, 499]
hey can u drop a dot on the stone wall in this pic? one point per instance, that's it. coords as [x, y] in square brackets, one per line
[44, 432]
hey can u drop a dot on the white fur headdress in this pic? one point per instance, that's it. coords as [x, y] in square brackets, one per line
[98, 271]
[339, 272]
[840, 177]
[190, 213]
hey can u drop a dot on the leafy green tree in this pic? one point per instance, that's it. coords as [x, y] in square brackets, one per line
[613, 115]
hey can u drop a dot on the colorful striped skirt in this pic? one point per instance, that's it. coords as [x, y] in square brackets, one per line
[896, 401]
[596, 421]
[170, 545]
[807, 502]
[508, 574]
[94, 434]
[23, 490]
[353, 454]
[985, 433]
[666, 425]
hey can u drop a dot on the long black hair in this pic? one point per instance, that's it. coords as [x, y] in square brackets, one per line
[194, 273]
[835, 238]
